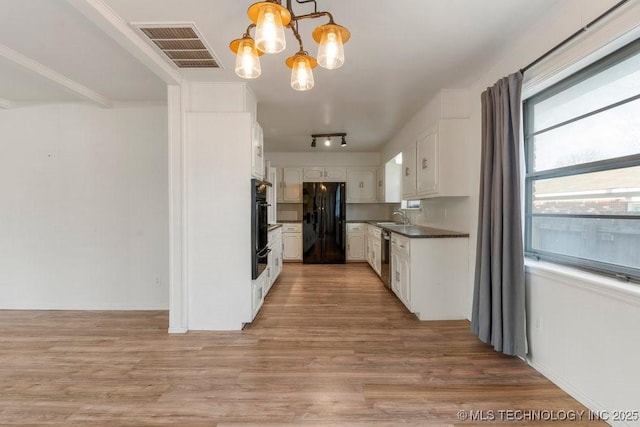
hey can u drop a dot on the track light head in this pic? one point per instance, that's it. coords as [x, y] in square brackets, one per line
[344, 142]
[313, 142]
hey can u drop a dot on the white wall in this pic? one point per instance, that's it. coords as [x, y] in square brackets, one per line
[581, 337]
[84, 216]
[218, 204]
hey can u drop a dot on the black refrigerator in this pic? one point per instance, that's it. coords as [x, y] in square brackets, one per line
[323, 224]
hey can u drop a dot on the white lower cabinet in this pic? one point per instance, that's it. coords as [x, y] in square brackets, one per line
[258, 292]
[292, 242]
[430, 276]
[374, 248]
[275, 257]
[356, 238]
[400, 269]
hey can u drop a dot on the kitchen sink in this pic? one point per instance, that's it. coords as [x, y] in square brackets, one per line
[387, 223]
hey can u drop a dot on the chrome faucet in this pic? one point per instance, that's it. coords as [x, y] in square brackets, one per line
[405, 217]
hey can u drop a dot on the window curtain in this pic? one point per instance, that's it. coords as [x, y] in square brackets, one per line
[498, 316]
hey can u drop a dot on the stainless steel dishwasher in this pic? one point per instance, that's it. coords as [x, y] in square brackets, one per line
[385, 257]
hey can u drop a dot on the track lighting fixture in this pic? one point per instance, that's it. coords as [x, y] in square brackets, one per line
[328, 136]
[269, 20]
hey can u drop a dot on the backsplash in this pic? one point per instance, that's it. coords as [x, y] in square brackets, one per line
[450, 213]
[370, 211]
[289, 212]
[355, 211]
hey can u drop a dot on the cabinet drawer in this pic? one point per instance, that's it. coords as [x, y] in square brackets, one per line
[275, 235]
[400, 244]
[356, 227]
[292, 228]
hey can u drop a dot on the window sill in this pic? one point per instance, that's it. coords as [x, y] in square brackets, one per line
[584, 280]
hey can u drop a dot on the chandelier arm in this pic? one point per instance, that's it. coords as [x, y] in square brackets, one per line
[315, 5]
[294, 28]
[312, 16]
[247, 33]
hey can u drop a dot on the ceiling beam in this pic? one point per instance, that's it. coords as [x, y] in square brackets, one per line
[113, 25]
[53, 76]
[5, 104]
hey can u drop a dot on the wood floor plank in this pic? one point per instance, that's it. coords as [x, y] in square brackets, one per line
[331, 346]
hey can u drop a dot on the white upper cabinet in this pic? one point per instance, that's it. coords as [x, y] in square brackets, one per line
[409, 172]
[328, 174]
[427, 163]
[272, 193]
[257, 152]
[435, 164]
[380, 185]
[290, 187]
[361, 185]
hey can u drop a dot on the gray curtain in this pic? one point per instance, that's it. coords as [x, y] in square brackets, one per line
[498, 299]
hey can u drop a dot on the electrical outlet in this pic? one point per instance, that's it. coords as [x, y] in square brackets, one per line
[539, 323]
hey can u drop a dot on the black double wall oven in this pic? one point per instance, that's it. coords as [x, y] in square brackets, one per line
[259, 227]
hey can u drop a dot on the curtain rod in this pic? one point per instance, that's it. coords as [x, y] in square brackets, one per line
[574, 35]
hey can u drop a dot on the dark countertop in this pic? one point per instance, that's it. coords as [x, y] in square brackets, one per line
[419, 231]
[367, 221]
[274, 226]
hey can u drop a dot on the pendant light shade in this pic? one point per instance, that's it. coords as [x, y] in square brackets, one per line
[270, 19]
[301, 66]
[331, 38]
[247, 61]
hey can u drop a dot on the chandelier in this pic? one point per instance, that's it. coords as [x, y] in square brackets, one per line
[269, 20]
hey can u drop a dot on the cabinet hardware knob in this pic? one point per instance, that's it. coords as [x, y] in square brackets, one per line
[406, 171]
[424, 163]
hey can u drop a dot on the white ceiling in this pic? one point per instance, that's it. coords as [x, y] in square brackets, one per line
[400, 54]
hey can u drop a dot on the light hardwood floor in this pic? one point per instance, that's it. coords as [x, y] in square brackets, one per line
[331, 346]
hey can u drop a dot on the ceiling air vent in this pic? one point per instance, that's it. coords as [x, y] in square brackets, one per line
[182, 44]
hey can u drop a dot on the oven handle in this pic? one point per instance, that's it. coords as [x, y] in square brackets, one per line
[264, 252]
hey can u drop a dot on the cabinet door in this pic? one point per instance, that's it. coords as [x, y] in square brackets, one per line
[377, 257]
[353, 186]
[404, 284]
[368, 189]
[257, 152]
[409, 172]
[292, 243]
[335, 174]
[272, 197]
[313, 174]
[280, 187]
[395, 274]
[361, 185]
[355, 247]
[292, 190]
[427, 163]
[380, 185]
[257, 294]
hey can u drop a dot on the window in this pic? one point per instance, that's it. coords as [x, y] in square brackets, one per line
[582, 185]
[410, 204]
